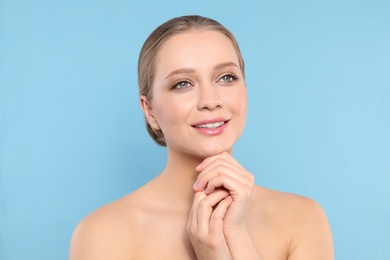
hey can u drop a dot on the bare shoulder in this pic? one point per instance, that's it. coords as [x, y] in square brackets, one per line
[106, 233]
[303, 220]
[295, 206]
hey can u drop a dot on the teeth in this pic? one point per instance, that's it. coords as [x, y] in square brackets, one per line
[210, 125]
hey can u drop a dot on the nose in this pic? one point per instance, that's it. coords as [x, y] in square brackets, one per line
[209, 97]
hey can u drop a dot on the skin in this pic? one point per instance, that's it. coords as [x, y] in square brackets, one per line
[204, 204]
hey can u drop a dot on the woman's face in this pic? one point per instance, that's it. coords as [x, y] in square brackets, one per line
[199, 94]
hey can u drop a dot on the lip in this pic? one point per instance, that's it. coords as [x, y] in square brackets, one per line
[210, 121]
[211, 131]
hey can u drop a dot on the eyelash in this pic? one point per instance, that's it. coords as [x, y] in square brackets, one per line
[177, 85]
[231, 77]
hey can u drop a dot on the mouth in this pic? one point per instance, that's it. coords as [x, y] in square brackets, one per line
[213, 127]
[210, 125]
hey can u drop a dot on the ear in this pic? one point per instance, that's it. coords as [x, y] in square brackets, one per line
[148, 112]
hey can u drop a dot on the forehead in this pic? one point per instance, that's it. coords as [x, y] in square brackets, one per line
[195, 49]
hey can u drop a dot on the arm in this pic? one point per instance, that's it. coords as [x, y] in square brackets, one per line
[312, 235]
[85, 243]
[99, 236]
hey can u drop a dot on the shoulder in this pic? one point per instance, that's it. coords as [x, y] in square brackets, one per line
[107, 233]
[303, 219]
[292, 205]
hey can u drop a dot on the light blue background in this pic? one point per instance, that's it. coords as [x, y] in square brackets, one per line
[72, 135]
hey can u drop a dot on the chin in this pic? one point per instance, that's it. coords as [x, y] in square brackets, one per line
[210, 151]
[202, 150]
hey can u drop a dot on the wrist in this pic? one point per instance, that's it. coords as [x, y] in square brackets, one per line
[241, 244]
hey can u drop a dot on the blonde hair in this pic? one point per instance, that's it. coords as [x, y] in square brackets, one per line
[148, 54]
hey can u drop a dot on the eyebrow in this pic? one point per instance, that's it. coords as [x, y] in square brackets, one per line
[191, 70]
[224, 65]
[181, 71]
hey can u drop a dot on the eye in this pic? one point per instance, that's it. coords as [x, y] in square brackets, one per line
[181, 85]
[228, 78]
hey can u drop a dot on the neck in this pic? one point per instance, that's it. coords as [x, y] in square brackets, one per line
[179, 177]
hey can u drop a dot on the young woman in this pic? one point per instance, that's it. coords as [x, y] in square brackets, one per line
[204, 204]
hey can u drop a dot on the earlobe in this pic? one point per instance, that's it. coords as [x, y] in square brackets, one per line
[148, 112]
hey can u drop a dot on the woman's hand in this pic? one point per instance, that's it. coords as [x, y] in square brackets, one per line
[218, 219]
[205, 225]
[222, 171]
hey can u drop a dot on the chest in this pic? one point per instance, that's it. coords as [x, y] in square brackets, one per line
[167, 238]
[163, 237]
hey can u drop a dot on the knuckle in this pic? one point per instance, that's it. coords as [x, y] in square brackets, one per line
[193, 231]
[198, 196]
[199, 238]
[203, 204]
[212, 242]
[216, 216]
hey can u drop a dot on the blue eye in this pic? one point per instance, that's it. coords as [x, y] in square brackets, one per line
[228, 78]
[181, 85]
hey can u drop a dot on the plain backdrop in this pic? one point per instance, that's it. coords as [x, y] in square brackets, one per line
[72, 134]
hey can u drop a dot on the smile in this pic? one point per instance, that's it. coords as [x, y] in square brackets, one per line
[210, 125]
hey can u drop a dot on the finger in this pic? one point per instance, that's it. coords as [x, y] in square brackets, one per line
[218, 171]
[236, 189]
[220, 168]
[223, 156]
[192, 225]
[216, 222]
[203, 209]
[210, 172]
[223, 162]
[225, 159]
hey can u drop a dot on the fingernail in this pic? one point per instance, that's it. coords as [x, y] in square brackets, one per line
[195, 185]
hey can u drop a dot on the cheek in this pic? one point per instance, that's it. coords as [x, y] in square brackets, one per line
[171, 113]
[245, 104]
[164, 117]
[239, 106]
[239, 101]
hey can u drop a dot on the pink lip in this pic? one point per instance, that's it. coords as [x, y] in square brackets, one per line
[210, 121]
[211, 131]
